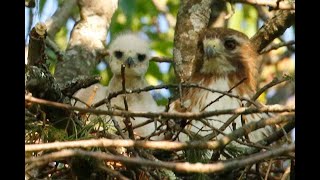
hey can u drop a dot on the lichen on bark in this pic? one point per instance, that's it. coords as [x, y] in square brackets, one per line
[193, 17]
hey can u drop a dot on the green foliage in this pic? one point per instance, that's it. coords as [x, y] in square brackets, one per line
[244, 19]
[41, 5]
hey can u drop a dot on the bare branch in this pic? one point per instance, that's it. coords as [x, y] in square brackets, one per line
[187, 115]
[86, 40]
[79, 82]
[161, 59]
[272, 138]
[181, 167]
[115, 122]
[229, 91]
[148, 88]
[277, 46]
[275, 4]
[60, 17]
[52, 45]
[274, 82]
[273, 28]
[164, 145]
[126, 121]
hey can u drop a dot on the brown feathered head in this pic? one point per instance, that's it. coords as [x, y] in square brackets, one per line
[227, 52]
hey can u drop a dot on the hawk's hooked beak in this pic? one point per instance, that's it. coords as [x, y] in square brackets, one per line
[130, 61]
[211, 47]
[210, 51]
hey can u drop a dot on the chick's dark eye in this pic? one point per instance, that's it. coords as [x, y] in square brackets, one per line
[118, 54]
[230, 44]
[141, 57]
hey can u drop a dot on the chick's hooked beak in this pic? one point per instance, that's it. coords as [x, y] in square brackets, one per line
[129, 61]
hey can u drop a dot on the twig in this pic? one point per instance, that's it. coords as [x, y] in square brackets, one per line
[181, 167]
[274, 82]
[229, 91]
[174, 115]
[272, 138]
[164, 145]
[236, 140]
[286, 173]
[113, 173]
[268, 170]
[115, 122]
[127, 118]
[148, 88]
[284, 5]
[276, 46]
[161, 59]
[143, 123]
[52, 45]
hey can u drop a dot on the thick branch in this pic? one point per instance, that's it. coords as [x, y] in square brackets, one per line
[181, 167]
[173, 115]
[86, 40]
[36, 50]
[60, 17]
[164, 145]
[275, 4]
[41, 84]
[79, 82]
[193, 17]
[272, 29]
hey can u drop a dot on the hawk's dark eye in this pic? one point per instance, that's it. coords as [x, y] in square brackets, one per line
[118, 54]
[230, 44]
[141, 57]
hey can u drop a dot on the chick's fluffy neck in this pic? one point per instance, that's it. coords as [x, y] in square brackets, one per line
[132, 82]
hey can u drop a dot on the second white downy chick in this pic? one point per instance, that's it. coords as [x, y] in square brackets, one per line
[132, 51]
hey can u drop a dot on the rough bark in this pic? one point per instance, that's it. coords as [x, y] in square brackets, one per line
[36, 48]
[192, 18]
[40, 83]
[273, 28]
[87, 40]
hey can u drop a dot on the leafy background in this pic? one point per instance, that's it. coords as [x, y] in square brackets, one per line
[154, 20]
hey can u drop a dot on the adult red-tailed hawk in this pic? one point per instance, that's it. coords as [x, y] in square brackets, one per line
[228, 58]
